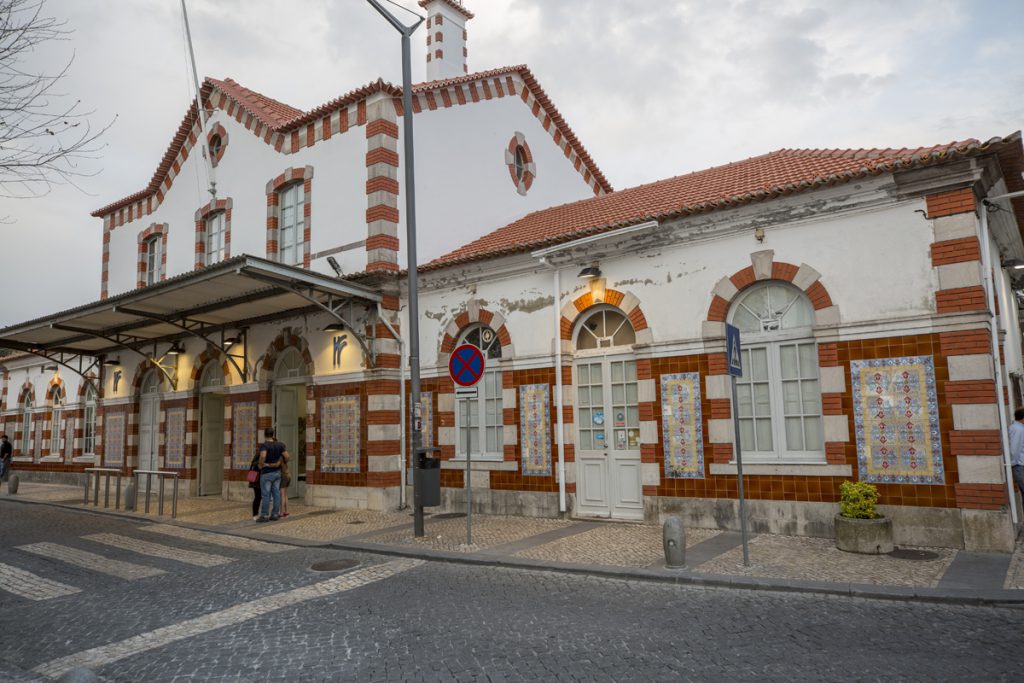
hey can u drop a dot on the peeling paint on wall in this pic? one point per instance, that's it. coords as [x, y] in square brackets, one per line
[633, 281]
[526, 305]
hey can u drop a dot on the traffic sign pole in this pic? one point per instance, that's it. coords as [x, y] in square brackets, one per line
[466, 367]
[734, 362]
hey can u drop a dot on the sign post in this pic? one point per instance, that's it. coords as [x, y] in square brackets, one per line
[734, 362]
[466, 367]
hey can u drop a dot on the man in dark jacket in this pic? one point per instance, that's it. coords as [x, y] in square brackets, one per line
[6, 455]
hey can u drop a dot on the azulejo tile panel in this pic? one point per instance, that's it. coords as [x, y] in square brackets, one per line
[69, 439]
[113, 439]
[897, 420]
[175, 432]
[682, 432]
[535, 429]
[339, 434]
[244, 436]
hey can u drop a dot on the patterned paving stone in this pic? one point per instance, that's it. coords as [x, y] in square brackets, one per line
[236, 542]
[488, 531]
[91, 561]
[29, 585]
[817, 559]
[166, 552]
[335, 525]
[618, 545]
[1015, 574]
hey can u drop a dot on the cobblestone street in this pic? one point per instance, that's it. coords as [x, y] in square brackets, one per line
[167, 603]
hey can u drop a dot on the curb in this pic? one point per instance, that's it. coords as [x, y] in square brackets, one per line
[682, 577]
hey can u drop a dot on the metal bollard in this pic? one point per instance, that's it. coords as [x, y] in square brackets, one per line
[129, 497]
[674, 541]
[12, 484]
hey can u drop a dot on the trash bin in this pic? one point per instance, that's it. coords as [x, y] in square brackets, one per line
[427, 479]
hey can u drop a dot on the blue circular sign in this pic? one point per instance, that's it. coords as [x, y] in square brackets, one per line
[466, 365]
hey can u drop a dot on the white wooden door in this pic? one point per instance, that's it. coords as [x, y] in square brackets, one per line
[149, 431]
[608, 444]
[286, 422]
[211, 457]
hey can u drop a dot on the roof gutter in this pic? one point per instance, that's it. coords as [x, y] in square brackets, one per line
[565, 246]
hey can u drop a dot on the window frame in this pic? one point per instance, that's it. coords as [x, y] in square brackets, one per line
[56, 413]
[216, 218]
[772, 342]
[26, 425]
[297, 192]
[490, 394]
[89, 421]
[152, 249]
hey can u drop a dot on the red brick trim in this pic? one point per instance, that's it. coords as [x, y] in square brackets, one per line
[209, 355]
[981, 496]
[217, 131]
[289, 177]
[956, 251]
[817, 294]
[975, 442]
[612, 297]
[156, 229]
[965, 342]
[960, 299]
[529, 167]
[971, 392]
[950, 203]
[286, 339]
[202, 216]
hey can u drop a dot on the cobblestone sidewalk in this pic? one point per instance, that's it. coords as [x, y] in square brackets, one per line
[590, 543]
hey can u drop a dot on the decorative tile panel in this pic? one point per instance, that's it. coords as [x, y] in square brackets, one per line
[175, 435]
[897, 420]
[682, 432]
[37, 448]
[69, 438]
[339, 434]
[244, 434]
[535, 429]
[113, 439]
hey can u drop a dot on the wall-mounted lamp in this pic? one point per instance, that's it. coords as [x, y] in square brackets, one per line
[231, 341]
[333, 263]
[176, 349]
[590, 272]
[111, 362]
[334, 327]
[1014, 263]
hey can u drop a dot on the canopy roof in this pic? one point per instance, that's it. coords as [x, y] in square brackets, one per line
[238, 292]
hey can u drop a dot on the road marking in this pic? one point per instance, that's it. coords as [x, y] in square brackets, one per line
[106, 654]
[97, 563]
[28, 585]
[156, 550]
[235, 542]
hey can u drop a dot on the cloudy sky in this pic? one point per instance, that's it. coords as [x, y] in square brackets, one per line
[652, 88]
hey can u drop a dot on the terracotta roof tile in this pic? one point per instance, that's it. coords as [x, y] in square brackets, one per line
[783, 172]
[454, 4]
[269, 111]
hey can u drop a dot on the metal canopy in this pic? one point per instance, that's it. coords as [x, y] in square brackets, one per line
[230, 295]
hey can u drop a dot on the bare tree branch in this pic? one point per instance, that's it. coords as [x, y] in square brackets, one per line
[44, 140]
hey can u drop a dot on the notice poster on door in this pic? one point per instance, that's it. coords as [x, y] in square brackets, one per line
[113, 440]
[535, 429]
[339, 434]
[243, 434]
[682, 432]
[175, 433]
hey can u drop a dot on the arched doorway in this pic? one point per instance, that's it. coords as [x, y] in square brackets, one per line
[149, 421]
[290, 379]
[211, 449]
[607, 417]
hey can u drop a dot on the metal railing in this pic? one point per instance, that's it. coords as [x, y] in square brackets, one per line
[161, 476]
[105, 473]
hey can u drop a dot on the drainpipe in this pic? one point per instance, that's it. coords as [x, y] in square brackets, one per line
[557, 299]
[401, 410]
[986, 266]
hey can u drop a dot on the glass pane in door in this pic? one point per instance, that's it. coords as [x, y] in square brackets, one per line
[590, 406]
[625, 417]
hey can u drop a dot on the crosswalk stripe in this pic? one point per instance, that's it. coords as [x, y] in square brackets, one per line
[166, 552]
[98, 563]
[112, 652]
[235, 542]
[28, 585]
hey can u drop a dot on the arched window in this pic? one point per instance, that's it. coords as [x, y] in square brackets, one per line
[212, 377]
[291, 224]
[153, 258]
[56, 408]
[151, 383]
[26, 425]
[89, 420]
[290, 365]
[604, 327]
[486, 438]
[779, 395]
[520, 162]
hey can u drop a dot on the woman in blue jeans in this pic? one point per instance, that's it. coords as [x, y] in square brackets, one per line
[273, 456]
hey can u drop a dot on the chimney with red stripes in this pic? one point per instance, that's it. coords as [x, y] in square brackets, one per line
[446, 38]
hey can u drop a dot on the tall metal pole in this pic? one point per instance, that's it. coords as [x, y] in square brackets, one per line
[739, 472]
[410, 238]
[200, 110]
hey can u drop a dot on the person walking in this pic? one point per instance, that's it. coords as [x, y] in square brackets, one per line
[1017, 449]
[6, 457]
[286, 480]
[257, 495]
[273, 455]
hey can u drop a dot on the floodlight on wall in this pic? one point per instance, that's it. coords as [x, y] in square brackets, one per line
[333, 263]
[112, 362]
[334, 327]
[176, 349]
[590, 272]
[1014, 263]
[231, 341]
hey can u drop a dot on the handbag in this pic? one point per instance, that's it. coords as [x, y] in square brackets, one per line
[251, 476]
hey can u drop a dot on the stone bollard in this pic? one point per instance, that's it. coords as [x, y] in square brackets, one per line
[79, 675]
[129, 498]
[12, 484]
[674, 540]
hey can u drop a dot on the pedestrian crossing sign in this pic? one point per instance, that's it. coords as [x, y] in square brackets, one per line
[732, 351]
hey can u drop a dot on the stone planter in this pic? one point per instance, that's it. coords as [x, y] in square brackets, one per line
[867, 536]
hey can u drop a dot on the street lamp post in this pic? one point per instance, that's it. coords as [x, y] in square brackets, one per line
[410, 237]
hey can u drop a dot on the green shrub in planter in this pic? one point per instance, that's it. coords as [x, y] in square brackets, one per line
[857, 500]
